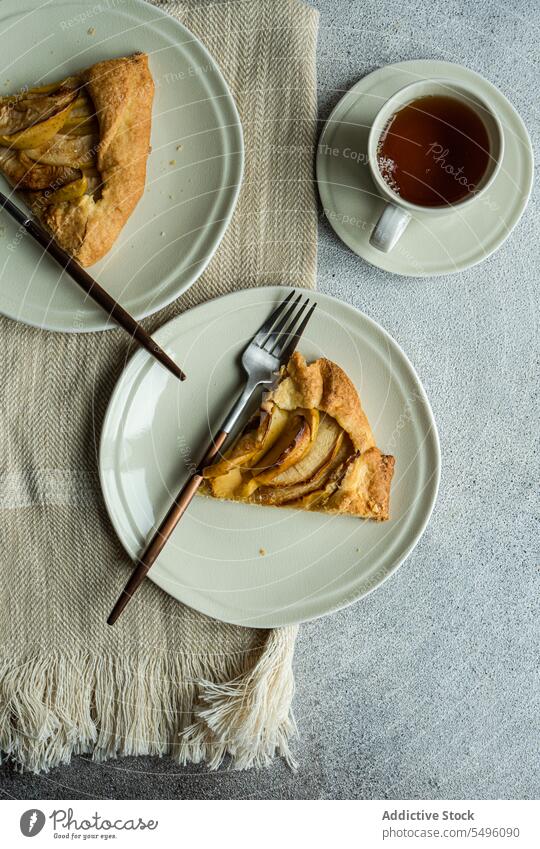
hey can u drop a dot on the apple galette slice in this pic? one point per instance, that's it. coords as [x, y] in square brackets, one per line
[310, 447]
[77, 150]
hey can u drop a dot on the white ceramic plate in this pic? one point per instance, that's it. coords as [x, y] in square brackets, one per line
[430, 246]
[156, 428]
[191, 191]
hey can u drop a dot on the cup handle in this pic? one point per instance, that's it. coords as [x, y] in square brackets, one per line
[389, 228]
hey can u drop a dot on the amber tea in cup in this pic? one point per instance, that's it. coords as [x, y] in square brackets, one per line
[434, 151]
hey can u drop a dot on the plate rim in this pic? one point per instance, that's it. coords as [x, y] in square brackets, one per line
[449, 66]
[237, 135]
[140, 357]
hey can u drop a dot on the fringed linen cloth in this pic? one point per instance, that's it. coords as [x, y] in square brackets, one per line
[165, 679]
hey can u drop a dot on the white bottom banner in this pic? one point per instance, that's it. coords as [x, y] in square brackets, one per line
[260, 825]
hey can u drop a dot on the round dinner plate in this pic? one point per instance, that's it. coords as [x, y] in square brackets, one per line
[246, 564]
[194, 168]
[430, 246]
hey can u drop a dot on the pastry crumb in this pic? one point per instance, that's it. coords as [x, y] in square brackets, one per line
[91, 31]
[172, 162]
[179, 146]
[262, 551]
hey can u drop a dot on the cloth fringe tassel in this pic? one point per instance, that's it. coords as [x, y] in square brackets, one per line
[53, 706]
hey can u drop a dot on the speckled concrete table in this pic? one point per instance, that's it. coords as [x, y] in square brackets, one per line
[428, 688]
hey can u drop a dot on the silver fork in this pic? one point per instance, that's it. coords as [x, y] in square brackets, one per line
[269, 349]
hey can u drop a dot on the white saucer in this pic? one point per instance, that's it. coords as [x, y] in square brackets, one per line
[194, 168]
[429, 246]
[262, 566]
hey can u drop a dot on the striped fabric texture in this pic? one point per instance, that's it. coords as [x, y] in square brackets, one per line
[165, 679]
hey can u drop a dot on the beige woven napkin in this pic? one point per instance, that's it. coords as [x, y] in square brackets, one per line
[165, 678]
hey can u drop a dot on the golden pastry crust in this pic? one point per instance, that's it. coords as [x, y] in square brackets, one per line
[365, 487]
[353, 477]
[323, 385]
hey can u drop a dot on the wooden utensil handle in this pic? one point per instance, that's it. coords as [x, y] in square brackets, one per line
[100, 295]
[91, 287]
[166, 528]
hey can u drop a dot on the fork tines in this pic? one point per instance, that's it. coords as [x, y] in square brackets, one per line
[279, 335]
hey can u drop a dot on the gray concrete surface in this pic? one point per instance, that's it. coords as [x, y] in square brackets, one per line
[428, 688]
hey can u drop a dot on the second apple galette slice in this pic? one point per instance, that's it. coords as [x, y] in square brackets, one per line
[309, 447]
[77, 150]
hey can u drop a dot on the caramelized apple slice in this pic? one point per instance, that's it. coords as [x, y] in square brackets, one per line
[227, 484]
[283, 495]
[69, 83]
[28, 175]
[289, 449]
[80, 127]
[226, 476]
[79, 152]
[82, 120]
[37, 134]
[252, 445]
[324, 441]
[20, 113]
[39, 90]
[317, 497]
[70, 192]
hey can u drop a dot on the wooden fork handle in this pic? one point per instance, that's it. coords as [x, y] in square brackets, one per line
[166, 528]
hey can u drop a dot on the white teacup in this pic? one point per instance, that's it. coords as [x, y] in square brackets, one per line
[398, 211]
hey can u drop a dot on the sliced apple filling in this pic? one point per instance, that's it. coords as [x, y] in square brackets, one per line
[309, 447]
[49, 140]
[77, 149]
